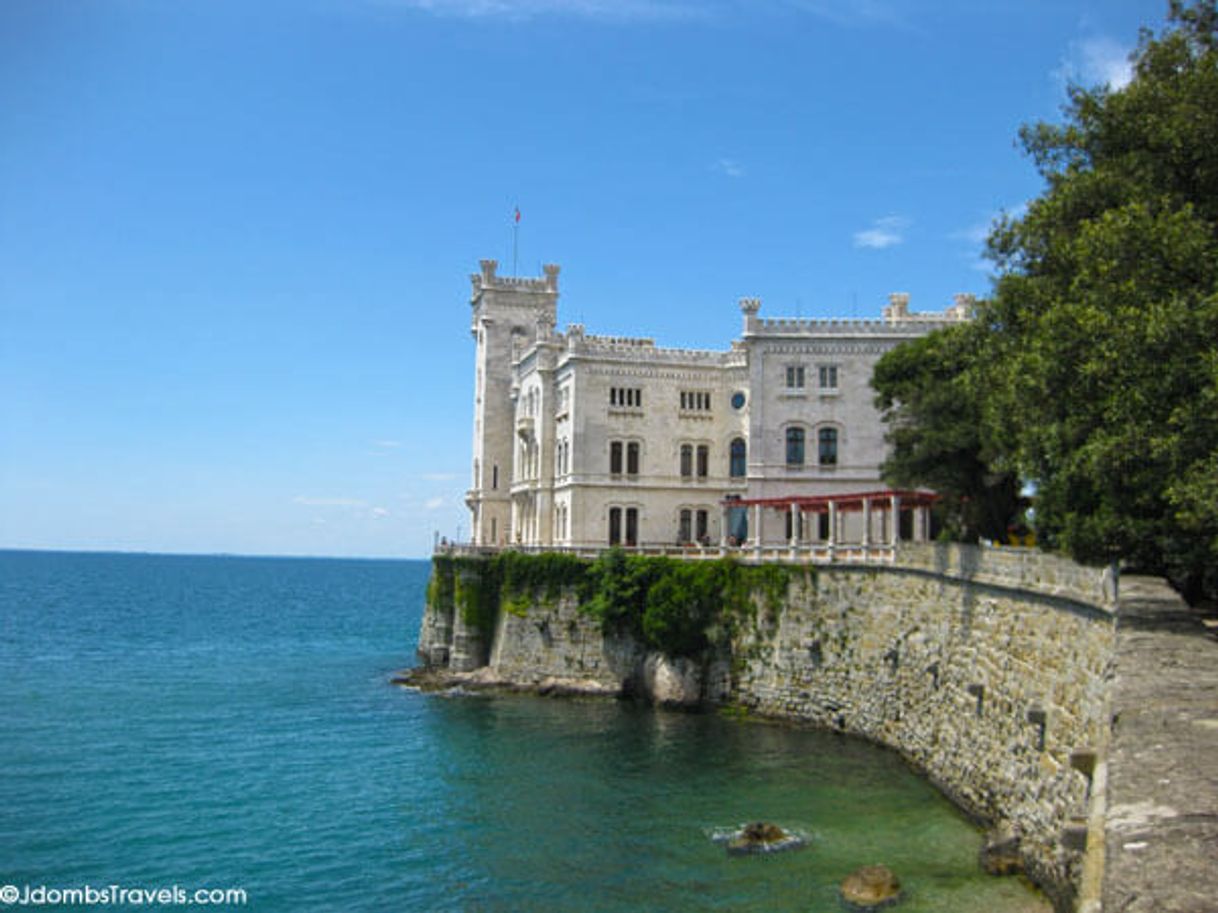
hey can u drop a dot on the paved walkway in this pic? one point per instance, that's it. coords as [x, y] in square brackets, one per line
[1161, 837]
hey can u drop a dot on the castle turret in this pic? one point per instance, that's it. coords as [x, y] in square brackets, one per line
[507, 314]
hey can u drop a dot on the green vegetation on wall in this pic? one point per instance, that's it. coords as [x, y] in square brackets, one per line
[678, 607]
[469, 586]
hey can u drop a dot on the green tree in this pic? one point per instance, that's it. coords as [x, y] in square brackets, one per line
[1103, 325]
[1092, 370]
[929, 392]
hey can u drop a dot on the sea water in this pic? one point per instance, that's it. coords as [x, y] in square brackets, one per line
[219, 722]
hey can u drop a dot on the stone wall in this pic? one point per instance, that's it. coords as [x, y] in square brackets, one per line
[987, 689]
[557, 642]
[986, 668]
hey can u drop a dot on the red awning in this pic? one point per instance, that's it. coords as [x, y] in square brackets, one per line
[843, 502]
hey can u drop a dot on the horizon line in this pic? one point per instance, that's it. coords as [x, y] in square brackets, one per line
[164, 554]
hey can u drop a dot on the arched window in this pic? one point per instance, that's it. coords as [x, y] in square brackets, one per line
[687, 460]
[795, 446]
[739, 458]
[827, 450]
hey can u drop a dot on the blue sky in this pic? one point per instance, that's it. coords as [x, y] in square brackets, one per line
[235, 237]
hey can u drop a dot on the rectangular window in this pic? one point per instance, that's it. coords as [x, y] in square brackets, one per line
[615, 526]
[632, 526]
[494, 530]
[827, 446]
[795, 446]
[687, 461]
[822, 526]
[632, 458]
[615, 458]
[626, 397]
[702, 526]
[684, 527]
[703, 461]
[738, 463]
[695, 401]
[495, 476]
[828, 377]
[795, 377]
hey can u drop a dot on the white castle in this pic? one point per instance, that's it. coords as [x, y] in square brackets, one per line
[588, 441]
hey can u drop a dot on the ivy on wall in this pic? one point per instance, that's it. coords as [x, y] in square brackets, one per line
[681, 608]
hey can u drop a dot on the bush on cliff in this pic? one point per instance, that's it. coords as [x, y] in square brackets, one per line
[680, 608]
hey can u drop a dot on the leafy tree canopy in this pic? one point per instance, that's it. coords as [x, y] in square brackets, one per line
[1095, 368]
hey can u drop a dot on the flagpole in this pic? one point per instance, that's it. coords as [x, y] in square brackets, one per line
[515, 237]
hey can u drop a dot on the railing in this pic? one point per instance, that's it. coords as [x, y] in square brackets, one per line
[1025, 569]
[803, 553]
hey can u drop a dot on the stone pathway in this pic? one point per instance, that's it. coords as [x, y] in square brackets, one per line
[1161, 837]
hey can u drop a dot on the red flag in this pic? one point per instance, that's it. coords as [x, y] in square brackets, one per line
[518, 214]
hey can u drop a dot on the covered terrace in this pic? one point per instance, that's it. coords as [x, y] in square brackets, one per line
[862, 526]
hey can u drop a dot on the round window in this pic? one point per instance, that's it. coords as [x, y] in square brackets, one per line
[738, 400]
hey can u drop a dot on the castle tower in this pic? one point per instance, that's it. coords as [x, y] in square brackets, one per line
[506, 315]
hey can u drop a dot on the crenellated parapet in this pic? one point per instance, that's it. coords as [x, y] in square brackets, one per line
[645, 350]
[488, 279]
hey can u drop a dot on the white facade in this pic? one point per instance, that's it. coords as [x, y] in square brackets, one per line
[584, 440]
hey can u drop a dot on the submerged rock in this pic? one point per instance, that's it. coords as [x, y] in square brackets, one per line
[1000, 854]
[870, 888]
[762, 837]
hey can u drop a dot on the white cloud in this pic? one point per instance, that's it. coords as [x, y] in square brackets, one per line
[973, 234]
[885, 232]
[438, 476]
[433, 503]
[1097, 61]
[379, 512]
[838, 12]
[328, 502]
[608, 10]
[729, 167]
[850, 12]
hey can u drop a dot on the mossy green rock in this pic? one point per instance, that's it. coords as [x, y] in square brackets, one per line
[870, 888]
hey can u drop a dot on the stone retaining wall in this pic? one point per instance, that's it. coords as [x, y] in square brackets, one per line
[989, 690]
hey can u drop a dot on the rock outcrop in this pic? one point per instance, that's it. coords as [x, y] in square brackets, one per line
[870, 888]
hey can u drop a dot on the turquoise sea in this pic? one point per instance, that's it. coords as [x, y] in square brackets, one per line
[217, 722]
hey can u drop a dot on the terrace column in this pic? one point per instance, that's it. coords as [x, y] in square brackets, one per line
[896, 520]
[866, 523]
[832, 527]
[757, 515]
[794, 525]
[723, 529]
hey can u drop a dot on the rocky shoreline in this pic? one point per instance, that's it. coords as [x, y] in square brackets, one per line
[424, 678]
